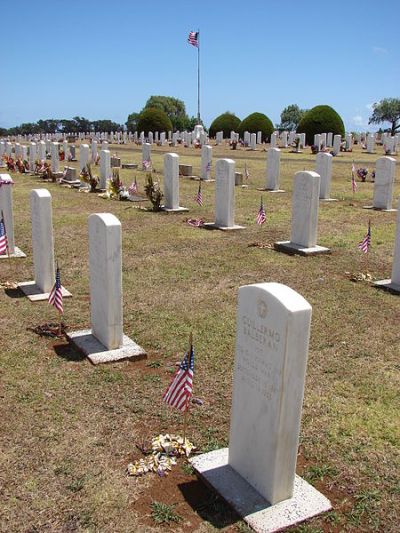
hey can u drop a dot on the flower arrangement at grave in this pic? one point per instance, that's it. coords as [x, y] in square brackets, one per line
[296, 144]
[61, 155]
[115, 187]
[314, 149]
[87, 177]
[9, 161]
[362, 173]
[153, 192]
[21, 165]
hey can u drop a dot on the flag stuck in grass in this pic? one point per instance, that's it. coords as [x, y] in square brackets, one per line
[180, 389]
[366, 242]
[261, 216]
[3, 237]
[55, 296]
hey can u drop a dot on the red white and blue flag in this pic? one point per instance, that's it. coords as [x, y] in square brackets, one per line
[3, 238]
[199, 196]
[180, 389]
[193, 38]
[55, 296]
[146, 164]
[261, 216]
[133, 188]
[366, 242]
[353, 178]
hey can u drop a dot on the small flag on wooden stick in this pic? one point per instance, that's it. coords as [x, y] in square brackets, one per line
[261, 216]
[3, 236]
[133, 188]
[199, 196]
[55, 296]
[180, 389]
[366, 242]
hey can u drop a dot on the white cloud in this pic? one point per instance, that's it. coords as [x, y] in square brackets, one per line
[358, 120]
[379, 50]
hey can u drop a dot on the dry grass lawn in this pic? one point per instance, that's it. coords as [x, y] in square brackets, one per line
[69, 429]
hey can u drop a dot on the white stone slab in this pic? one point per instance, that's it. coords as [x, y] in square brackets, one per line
[105, 168]
[273, 169]
[42, 239]
[255, 510]
[206, 161]
[393, 284]
[35, 293]
[292, 249]
[388, 285]
[305, 209]
[171, 184]
[17, 253]
[384, 183]
[225, 194]
[323, 167]
[97, 353]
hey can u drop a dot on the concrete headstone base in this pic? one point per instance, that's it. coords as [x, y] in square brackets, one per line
[214, 470]
[288, 247]
[387, 285]
[379, 209]
[35, 294]
[17, 253]
[97, 353]
[175, 210]
[212, 225]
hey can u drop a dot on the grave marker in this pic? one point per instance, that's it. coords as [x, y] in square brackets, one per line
[323, 167]
[171, 184]
[393, 284]
[6, 207]
[105, 341]
[384, 183]
[257, 473]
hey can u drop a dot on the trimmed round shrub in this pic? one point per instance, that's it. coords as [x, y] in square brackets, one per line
[320, 119]
[226, 122]
[257, 122]
[152, 119]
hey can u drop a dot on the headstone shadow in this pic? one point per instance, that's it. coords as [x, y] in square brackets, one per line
[14, 293]
[206, 503]
[67, 352]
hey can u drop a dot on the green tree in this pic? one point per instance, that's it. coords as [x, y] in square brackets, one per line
[105, 125]
[291, 117]
[387, 110]
[226, 122]
[153, 119]
[256, 122]
[132, 121]
[320, 119]
[174, 108]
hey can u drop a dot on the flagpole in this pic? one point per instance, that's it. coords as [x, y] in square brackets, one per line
[185, 421]
[198, 76]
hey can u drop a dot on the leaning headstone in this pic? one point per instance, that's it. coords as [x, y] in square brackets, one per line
[384, 183]
[83, 156]
[303, 239]
[6, 207]
[206, 161]
[105, 341]
[323, 167]
[256, 475]
[105, 168]
[393, 284]
[171, 184]
[224, 196]
[273, 170]
[42, 248]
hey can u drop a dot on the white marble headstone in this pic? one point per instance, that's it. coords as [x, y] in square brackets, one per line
[305, 209]
[323, 167]
[273, 169]
[384, 182]
[273, 329]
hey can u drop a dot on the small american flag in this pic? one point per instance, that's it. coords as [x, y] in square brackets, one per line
[3, 237]
[133, 188]
[199, 196]
[195, 222]
[246, 171]
[55, 297]
[180, 389]
[366, 242]
[193, 38]
[261, 217]
[353, 178]
[146, 164]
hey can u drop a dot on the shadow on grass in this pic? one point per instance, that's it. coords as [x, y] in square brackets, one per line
[67, 352]
[208, 505]
[14, 293]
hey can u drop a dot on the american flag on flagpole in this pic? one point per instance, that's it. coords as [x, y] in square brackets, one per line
[193, 38]
[55, 296]
[246, 171]
[366, 242]
[133, 188]
[3, 237]
[353, 178]
[199, 196]
[261, 216]
[180, 389]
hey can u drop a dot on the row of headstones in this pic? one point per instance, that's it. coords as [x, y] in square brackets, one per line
[272, 339]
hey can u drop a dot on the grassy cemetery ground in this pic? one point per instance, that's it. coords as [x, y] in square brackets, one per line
[69, 429]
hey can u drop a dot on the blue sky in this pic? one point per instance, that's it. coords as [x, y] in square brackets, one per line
[102, 59]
